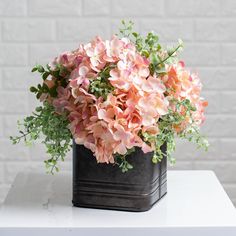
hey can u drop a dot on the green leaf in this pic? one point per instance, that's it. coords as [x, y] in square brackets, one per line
[145, 53]
[45, 75]
[33, 89]
[38, 109]
[54, 129]
[38, 68]
[34, 69]
[38, 95]
[154, 160]
[154, 59]
[180, 41]
[129, 166]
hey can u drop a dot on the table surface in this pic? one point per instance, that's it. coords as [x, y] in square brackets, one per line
[195, 199]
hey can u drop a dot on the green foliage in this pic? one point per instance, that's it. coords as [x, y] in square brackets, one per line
[150, 47]
[192, 134]
[126, 28]
[167, 132]
[121, 161]
[45, 123]
[59, 73]
[101, 86]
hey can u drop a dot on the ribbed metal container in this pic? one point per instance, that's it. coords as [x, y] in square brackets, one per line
[105, 186]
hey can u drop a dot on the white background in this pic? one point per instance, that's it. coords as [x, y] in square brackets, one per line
[35, 31]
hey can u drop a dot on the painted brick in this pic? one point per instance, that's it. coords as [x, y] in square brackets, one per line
[33, 102]
[214, 101]
[1, 127]
[13, 8]
[169, 30]
[201, 54]
[18, 152]
[17, 78]
[228, 52]
[215, 30]
[137, 8]
[228, 8]
[227, 102]
[215, 126]
[43, 53]
[10, 124]
[192, 8]
[14, 102]
[38, 153]
[228, 150]
[1, 79]
[116, 24]
[186, 151]
[28, 30]
[55, 8]
[96, 7]
[82, 30]
[13, 54]
[218, 78]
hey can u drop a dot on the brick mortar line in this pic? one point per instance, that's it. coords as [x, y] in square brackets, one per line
[27, 8]
[1, 31]
[127, 16]
[82, 8]
[116, 17]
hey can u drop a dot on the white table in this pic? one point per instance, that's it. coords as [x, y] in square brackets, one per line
[40, 204]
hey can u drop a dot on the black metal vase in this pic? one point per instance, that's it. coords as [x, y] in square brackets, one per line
[105, 186]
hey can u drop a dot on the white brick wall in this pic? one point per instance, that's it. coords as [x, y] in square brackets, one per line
[34, 31]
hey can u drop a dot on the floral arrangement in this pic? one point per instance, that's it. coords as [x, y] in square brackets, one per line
[113, 96]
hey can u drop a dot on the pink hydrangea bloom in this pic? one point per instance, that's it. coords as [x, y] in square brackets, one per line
[116, 124]
[181, 84]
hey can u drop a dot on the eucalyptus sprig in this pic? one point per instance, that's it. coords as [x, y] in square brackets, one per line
[126, 28]
[101, 86]
[149, 47]
[60, 74]
[121, 161]
[167, 133]
[45, 123]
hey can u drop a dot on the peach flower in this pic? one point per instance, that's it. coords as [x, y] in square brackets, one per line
[138, 100]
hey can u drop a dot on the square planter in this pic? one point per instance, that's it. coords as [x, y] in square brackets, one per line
[105, 186]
